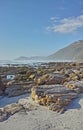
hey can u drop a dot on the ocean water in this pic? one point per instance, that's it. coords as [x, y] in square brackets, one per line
[27, 62]
[24, 62]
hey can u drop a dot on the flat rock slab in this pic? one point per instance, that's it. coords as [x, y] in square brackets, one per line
[56, 97]
[16, 90]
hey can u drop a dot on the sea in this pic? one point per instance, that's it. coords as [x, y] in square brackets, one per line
[16, 63]
[4, 63]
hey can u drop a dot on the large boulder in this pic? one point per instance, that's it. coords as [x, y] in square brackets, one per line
[53, 96]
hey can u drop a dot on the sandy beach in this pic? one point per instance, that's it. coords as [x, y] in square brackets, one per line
[44, 119]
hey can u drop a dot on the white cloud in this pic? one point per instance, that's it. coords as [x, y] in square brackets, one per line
[67, 25]
[52, 18]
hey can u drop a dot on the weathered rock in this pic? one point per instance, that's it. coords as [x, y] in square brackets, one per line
[10, 83]
[53, 94]
[50, 79]
[15, 90]
[75, 85]
[74, 74]
[32, 76]
[56, 108]
[12, 108]
[9, 110]
[39, 81]
[3, 116]
[26, 105]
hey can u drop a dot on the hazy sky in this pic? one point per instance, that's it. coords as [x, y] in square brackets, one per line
[38, 27]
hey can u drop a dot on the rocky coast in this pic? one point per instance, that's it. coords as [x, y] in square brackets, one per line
[52, 96]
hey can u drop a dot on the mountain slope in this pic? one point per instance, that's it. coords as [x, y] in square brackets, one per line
[71, 52]
[31, 58]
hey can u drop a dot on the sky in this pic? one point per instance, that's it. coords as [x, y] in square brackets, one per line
[38, 27]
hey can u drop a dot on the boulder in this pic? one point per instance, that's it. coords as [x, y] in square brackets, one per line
[75, 85]
[58, 95]
[49, 79]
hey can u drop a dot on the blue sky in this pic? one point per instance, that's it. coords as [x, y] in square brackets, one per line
[38, 27]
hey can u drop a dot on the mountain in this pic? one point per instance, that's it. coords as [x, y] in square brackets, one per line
[22, 58]
[72, 52]
[31, 58]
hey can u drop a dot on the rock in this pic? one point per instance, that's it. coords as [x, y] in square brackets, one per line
[23, 101]
[3, 117]
[58, 95]
[49, 79]
[39, 81]
[74, 74]
[26, 105]
[75, 85]
[10, 82]
[15, 90]
[12, 108]
[32, 76]
[1, 111]
[56, 108]
[2, 87]
[9, 110]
